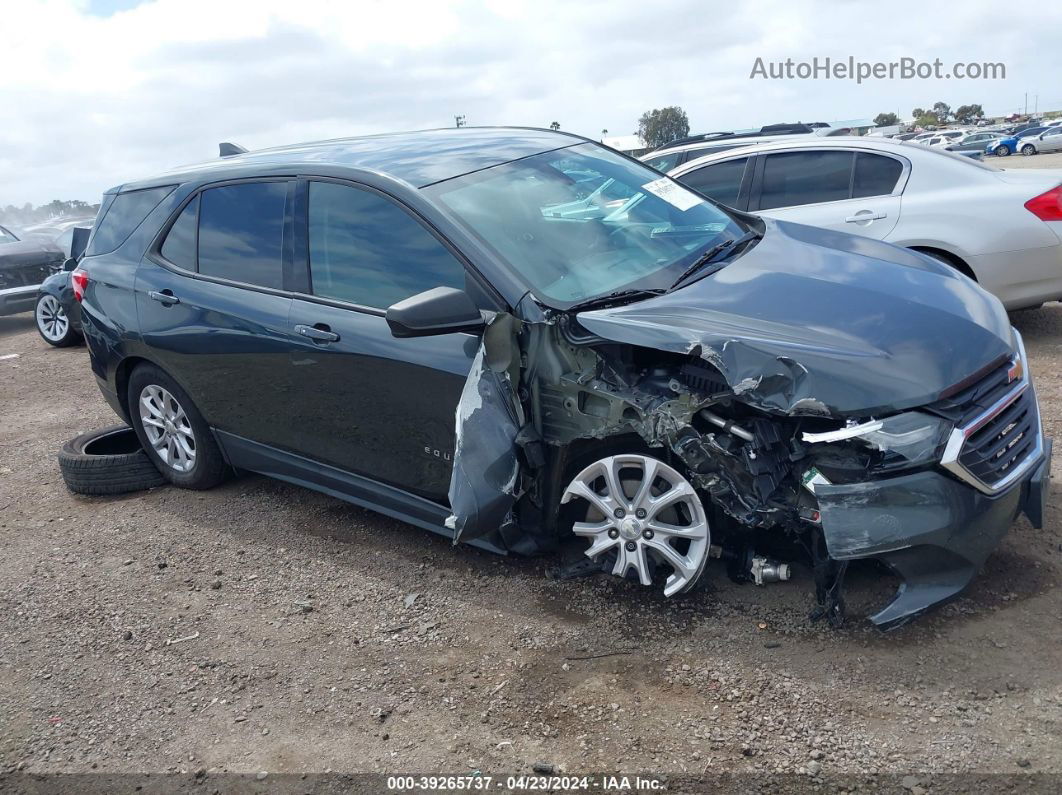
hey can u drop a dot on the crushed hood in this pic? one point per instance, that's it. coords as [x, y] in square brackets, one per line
[812, 321]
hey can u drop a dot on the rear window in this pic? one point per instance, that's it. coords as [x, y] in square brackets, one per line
[794, 178]
[179, 246]
[875, 175]
[125, 213]
[241, 233]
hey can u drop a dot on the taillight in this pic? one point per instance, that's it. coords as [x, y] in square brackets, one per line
[1047, 206]
[79, 281]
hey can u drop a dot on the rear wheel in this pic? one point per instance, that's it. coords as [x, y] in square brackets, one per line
[53, 323]
[172, 431]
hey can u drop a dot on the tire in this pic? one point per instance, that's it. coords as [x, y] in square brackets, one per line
[1002, 151]
[1028, 149]
[53, 324]
[172, 431]
[107, 461]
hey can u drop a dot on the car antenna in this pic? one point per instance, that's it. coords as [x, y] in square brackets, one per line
[226, 149]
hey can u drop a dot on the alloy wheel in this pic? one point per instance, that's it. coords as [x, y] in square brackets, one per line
[168, 429]
[647, 513]
[51, 319]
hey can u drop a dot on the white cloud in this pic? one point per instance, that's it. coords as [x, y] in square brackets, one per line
[88, 101]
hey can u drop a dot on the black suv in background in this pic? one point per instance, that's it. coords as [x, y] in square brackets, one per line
[511, 335]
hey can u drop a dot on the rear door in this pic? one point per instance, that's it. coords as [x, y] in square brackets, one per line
[1050, 141]
[213, 308]
[371, 403]
[847, 190]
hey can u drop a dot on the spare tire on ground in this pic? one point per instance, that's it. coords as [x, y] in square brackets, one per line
[107, 461]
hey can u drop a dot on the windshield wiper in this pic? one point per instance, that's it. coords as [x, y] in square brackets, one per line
[611, 298]
[713, 255]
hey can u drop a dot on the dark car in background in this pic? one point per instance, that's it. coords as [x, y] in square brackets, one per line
[25, 262]
[456, 329]
[57, 314]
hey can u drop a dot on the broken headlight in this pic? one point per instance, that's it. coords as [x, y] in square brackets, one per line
[903, 440]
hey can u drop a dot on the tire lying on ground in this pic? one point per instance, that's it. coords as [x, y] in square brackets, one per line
[107, 461]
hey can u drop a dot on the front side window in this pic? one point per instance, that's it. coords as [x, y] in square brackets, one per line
[664, 162]
[6, 236]
[241, 233]
[794, 178]
[637, 231]
[367, 250]
[720, 181]
[124, 214]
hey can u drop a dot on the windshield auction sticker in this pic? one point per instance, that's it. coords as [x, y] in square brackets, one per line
[673, 193]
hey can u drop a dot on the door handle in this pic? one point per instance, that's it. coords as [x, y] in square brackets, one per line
[318, 333]
[165, 297]
[867, 216]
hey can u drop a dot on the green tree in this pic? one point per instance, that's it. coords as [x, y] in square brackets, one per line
[942, 110]
[658, 127]
[918, 113]
[886, 119]
[968, 114]
[554, 125]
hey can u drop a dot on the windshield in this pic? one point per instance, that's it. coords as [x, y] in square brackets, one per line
[584, 222]
[7, 237]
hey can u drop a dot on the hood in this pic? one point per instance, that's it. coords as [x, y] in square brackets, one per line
[812, 321]
[28, 253]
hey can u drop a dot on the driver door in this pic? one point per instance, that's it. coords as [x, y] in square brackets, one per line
[370, 403]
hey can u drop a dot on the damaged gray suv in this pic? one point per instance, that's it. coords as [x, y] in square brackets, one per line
[516, 337]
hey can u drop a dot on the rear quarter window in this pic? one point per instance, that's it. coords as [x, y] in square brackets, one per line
[125, 213]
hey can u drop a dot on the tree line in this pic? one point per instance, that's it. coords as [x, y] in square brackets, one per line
[28, 215]
[938, 115]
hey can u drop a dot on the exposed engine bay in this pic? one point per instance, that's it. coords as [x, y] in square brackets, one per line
[661, 461]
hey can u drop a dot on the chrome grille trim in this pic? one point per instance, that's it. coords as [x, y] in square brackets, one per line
[959, 436]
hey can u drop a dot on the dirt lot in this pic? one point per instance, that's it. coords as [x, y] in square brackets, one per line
[1048, 160]
[314, 636]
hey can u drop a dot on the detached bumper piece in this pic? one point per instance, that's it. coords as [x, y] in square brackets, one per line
[930, 529]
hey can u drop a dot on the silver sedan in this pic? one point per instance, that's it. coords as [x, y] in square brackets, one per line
[1001, 228]
[1047, 141]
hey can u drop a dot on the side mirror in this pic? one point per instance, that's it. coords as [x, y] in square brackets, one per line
[440, 310]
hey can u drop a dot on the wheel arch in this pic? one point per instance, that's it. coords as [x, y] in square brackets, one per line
[121, 381]
[951, 258]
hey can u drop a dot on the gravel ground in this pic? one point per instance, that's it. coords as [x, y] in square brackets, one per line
[262, 627]
[1048, 160]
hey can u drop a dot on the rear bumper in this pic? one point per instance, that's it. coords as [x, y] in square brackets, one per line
[1023, 278]
[932, 530]
[18, 299]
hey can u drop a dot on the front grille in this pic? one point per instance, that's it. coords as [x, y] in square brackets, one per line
[964, 406]
[993, 450]
[997, 436]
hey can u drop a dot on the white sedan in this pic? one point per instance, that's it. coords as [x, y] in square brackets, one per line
[1001, 228]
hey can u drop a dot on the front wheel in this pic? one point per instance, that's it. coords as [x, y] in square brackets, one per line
[1028, 149]
[172, 431]
[1002, 151]
[53, 324]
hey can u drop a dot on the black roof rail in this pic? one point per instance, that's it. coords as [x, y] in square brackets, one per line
[226, 149]
[770, 129]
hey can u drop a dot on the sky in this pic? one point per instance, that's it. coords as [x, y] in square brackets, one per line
[97, 92]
